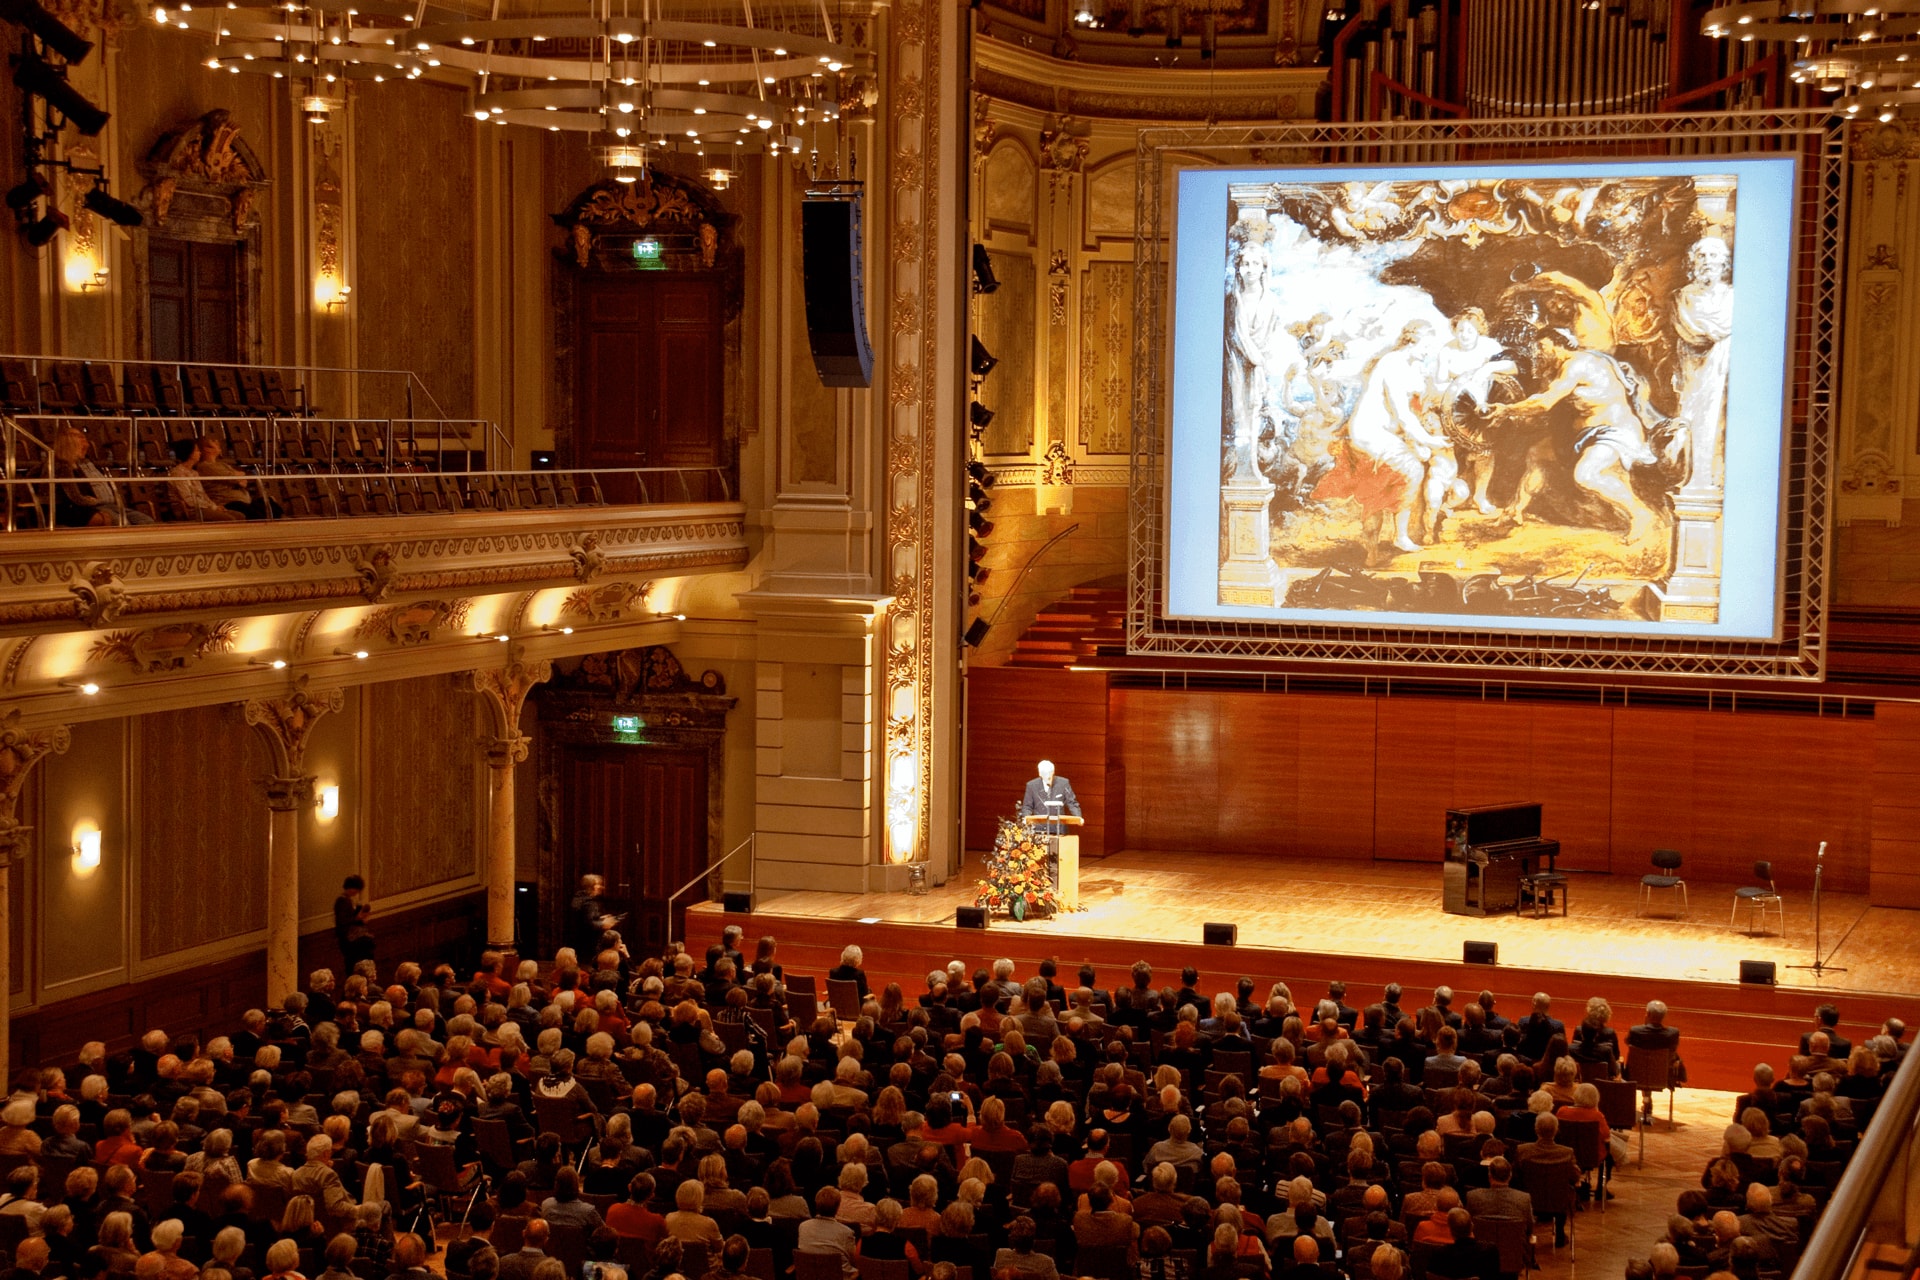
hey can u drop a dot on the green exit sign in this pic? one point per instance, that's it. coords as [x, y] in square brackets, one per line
[646, 250]
[626, 724]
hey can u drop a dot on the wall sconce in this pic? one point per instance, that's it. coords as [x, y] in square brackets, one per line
[86, 687]
[86, 849]
[327, 802]
[329, 293]
[83, 274]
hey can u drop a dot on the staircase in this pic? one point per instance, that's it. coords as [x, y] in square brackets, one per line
[1089, 621]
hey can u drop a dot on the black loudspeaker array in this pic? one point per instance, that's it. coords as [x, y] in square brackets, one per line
[836, 299]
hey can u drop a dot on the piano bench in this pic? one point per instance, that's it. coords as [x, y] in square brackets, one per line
[1539, 890]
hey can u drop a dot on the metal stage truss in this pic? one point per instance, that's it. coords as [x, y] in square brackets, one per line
[1814, 328]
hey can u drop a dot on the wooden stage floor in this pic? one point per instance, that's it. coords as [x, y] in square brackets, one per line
[1393, 910]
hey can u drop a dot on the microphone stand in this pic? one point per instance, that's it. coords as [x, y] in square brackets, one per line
[1819, 968]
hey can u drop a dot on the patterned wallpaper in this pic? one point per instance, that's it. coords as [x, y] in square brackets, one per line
[413, 261]
[422, 767]
[203, 828]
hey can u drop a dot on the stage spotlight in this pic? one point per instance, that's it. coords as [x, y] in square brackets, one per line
[980, 474]
[983, 360]
[118, 212]
[980, 524]
[49, 30]
[979, 573]
[27, 192]
[978, 413]
[976, 551]
[44, 229]
[44, 81]
[978, 497]
[983, 281]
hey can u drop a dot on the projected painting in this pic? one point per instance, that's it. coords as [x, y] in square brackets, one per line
[1487, 396]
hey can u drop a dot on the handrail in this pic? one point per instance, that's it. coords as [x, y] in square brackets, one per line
[1835, 1241]
[722, 860]
[1381, 80]
[1767, 69]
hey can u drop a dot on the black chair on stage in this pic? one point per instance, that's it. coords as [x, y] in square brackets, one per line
[1762, 897]
[1666, 863]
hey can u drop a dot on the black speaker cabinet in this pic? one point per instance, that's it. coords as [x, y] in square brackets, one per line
[736, 903]
[1480, 952]
[1215, 934]
[1757, 971]
[970, 917]
[836, 301]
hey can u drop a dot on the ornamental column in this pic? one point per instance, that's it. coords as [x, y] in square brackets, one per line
[20, 750]
[503, 691]
[285, 724]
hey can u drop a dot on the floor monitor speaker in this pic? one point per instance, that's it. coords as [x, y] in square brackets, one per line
[836, 302]
[1215, 934]
[1480, 952]
[736, 903]
[970, 917]
[1757, 971]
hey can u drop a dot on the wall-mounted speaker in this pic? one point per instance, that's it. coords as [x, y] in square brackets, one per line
[976, 633]
[836, 298]
[1480, 952]
[1215, 934]
[1757, 971]
[970, 918]
[736, 903]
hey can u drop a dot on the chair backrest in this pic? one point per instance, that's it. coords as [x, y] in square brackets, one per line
[884, 1268]
[558, 1115]
[1667, 860]
[1551, 1191]
[1763, 870]
[1650, 1069]
[636, 1255]
[760, 1264]
[806, 1266]
[1103, 1262]
[435, 1165]
[1509, 1235]
[844, 996]
[1584, 1137]
[567, 1241]
[1617, 1102]
[508, 1234]
[693, 1257]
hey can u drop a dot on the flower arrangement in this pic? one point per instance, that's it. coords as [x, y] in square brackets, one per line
[1019, 880]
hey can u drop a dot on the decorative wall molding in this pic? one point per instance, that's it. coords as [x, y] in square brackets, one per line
[283, 567]
[415, 623]
[608, 602]
[1012, 74]
[171, 647]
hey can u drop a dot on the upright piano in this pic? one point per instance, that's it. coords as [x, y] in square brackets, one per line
[1489, 847]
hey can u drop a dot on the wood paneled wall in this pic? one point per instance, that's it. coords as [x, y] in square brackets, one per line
[1895, 862]
[423, 784]
[207, 1000]
[1335, 777]
[203, 828]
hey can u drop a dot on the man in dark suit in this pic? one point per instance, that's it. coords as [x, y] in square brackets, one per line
[1465, 1256]
[1544, 1159]
[1538, 1028]
[1654, 1033]
[1827, 1018]
[1348, 1015]
[1049, 786]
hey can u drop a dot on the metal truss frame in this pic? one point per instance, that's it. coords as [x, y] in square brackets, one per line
[1812, 397]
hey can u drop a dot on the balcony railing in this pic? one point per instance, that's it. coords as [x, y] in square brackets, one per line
[1870, 1226]
[293, 467]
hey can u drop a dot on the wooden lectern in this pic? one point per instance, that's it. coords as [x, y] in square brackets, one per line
[1066, 853]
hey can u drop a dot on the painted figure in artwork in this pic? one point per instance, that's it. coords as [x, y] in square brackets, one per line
[1703, 333]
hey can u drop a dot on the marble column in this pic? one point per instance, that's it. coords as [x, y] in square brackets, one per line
[20, 750]
[285, 798]
[285, 724]
[504, 690]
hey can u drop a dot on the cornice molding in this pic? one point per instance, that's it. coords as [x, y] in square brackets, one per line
[1088, 89]
[74, 580]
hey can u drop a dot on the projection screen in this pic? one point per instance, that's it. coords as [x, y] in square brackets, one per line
[1518, 397]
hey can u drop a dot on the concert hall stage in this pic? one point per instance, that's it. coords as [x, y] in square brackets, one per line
[1308, 922]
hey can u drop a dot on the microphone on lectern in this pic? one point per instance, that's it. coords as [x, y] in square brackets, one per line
[1823, 850]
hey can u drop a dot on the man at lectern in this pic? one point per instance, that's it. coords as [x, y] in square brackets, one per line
[1049, 795]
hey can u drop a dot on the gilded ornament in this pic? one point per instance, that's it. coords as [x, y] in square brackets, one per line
[173, 647]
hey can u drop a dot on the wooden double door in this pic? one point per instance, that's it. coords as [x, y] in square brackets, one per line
[638, 816]
[652, 360]
[193, 300]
